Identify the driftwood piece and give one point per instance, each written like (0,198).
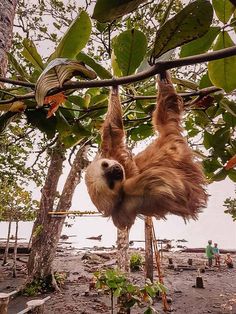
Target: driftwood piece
(35,306)
(4,300)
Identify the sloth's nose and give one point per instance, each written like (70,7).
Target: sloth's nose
(115,172)
(116,167)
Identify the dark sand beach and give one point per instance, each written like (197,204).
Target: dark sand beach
(218,295)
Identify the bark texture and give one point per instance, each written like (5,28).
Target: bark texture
(7,14)
(5,257)
(122,249)
(148,248)
(47,229)
(15,250)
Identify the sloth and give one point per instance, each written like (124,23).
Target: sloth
(163,179)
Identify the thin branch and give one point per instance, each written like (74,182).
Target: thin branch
(16,82)
(202,93)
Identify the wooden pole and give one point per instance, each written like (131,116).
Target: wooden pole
(158,262)
(148,248)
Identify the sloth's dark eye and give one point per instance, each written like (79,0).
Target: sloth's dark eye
(105,164)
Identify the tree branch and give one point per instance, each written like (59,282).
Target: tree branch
(202,92)
(155,69)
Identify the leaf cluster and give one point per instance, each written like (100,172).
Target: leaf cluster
(119,286)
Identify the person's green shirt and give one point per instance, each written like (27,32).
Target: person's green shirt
(209,251)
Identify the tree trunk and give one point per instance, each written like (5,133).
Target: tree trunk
(47,229)
(123,264)
(15,250)
(7,14)
(122,249)
(148,249)
(7,244)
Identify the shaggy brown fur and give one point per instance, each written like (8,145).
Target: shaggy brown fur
(162,179)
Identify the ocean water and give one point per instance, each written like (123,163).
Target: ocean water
(212,224)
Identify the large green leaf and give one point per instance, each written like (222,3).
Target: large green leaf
(130,48)
(56,73)
(224,9)
(31,54)
(200,45)
(190,23)
(222,73)
(75,38)
(115,68)
(99,69)
(109,10)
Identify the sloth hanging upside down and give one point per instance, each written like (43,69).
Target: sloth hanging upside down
(162,179)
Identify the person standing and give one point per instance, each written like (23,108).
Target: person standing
(216,253)
(209,253)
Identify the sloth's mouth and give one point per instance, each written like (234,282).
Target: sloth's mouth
(112,174)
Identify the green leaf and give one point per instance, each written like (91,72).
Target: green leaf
(200,45)
(205,81)
(75,38)
(211,165)
(71,140)
(31,54)
(98,99)
(38,118)
(201,118)
(79,130)
(130,48)
(208,140)
(5,120)
(141,132)
(220,175)
(116,70)
(224,9)
(99,69)
(117,292)
(185,83)
(62,126)
(77,100)
(229,106)
(17,67)
(190,23)
(222,73)
(229,119)
(232,174)
(220,138)
(109,10)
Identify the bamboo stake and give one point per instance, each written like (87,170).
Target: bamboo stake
(158,262)
(74,213)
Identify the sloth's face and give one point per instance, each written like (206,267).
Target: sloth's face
(104,178)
